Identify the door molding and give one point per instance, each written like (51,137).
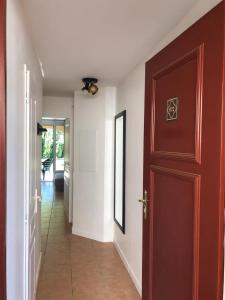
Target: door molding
(198,55)
(2,149)
(54,123)
(195,179)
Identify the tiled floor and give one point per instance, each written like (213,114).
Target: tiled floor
(76,268)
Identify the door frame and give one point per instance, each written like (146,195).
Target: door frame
(3,149)
(54,122)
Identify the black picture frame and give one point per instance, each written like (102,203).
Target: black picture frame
(122,169)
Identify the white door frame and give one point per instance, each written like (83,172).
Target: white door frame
(26,181)
(30,190)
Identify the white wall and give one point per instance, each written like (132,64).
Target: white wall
(131,97)
(110,110)
(93,164)
(19,52)
(58,107)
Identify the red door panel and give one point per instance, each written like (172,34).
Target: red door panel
(184,165)
(175,244)
(181,79)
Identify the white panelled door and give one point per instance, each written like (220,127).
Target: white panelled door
(31,197)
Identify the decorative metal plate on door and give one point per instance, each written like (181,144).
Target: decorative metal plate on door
(172,109)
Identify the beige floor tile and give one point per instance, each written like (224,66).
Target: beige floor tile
(76,268)
(58,239)
(59,268)
(55,293)
(52,260)
(65,275)
(45,225)
(56,297)
(58,231)
(59,225)
(88,295)
(53,247)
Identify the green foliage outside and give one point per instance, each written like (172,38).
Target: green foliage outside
(47,145)
(59,143)
(60,150)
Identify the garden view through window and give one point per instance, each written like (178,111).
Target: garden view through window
(52,149)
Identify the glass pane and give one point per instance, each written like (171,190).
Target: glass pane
(60,148)
(47,154)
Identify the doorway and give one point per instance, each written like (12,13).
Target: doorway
(53,145)
(52,177)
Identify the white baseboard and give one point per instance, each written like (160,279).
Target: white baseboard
(38,269)
(87,235)
(129,269)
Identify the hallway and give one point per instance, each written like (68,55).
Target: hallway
(75,268)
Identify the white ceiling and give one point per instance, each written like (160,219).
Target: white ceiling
(102,38)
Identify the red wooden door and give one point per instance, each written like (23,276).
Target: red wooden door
(183,165)
(2,148)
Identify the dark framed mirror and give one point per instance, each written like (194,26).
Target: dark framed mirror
(119,169)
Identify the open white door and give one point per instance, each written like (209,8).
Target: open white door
(68,173)
(31,200)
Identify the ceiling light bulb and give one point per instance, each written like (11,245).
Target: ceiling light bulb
(93,89)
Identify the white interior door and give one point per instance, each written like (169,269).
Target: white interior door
(68,193)
(30,190)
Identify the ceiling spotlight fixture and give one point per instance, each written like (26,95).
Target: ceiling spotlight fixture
(90,85)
